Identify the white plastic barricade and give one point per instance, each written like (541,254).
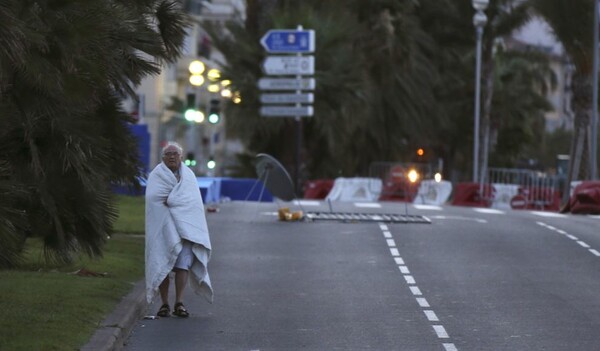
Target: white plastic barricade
(355,189)
(503,194)
(433,193)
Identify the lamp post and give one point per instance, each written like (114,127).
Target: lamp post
(594,141)
(479,20)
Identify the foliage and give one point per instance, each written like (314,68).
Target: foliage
(374,85)
(522,80)
(571,23)
(63,134)
(46,308)
(391,77)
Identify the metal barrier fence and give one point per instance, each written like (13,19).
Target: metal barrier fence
(521,188)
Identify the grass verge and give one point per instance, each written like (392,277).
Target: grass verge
(131,215)
(46,307)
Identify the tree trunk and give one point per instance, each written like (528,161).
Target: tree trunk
(579,165)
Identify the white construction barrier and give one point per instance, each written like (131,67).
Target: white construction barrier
(355,189)
(433,193)
(503,194)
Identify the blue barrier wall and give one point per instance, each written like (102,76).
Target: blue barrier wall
(140,131)
(213,190)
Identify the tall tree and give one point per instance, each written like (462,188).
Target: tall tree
(64,67)
(572,24)
(374,85)
(521,83)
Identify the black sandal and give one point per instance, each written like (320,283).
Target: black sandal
(180,310)
(164,311)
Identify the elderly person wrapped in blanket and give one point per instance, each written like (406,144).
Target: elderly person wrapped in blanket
(177,237)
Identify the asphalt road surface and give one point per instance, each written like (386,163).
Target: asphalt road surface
(473,279)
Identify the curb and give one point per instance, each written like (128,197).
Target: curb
(115,329)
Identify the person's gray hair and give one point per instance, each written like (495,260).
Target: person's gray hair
(172,143)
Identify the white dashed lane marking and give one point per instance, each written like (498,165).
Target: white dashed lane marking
(430,314)
(572,237)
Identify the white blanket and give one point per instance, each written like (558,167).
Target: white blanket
(174,211)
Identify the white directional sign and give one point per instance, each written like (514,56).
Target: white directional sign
(286,111)
(286,84)
(289,65)
(307,98)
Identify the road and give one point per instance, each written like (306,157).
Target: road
(473,279)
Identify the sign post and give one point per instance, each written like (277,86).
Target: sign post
(293,103)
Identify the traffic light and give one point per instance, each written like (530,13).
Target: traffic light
(214,111)
(190,106)
(190,159)
(191,112)
(211,164)
(420,152)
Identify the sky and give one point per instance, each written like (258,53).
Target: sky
(537,32)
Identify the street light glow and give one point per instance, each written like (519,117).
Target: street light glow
(197,67)
(237,98)
(226,93)
(194,116)
(213,74)
(213,88)
(196,80)
(413,176)
(211,164)
(437,177)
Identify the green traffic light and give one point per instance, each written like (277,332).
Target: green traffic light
(214,118)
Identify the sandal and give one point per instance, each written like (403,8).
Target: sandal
(180,310)
(164,311)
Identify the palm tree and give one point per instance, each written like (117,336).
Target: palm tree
(65,65)
(572,24)
(374,85)
(521,82)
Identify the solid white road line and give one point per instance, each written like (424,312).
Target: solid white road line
(367,204)
(488,210)
(548,214)
(427,207)
(307,203)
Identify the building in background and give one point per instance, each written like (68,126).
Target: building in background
(538,36)
(164,99)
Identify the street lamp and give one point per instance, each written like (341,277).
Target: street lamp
(479,20)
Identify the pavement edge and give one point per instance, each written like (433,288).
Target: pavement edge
(115,329)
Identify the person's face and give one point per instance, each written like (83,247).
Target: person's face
(172,158)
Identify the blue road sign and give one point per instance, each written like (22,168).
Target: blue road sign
(289,41)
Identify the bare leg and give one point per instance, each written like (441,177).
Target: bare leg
(181,279)
(163,288)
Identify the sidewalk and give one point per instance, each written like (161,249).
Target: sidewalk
(114,330)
